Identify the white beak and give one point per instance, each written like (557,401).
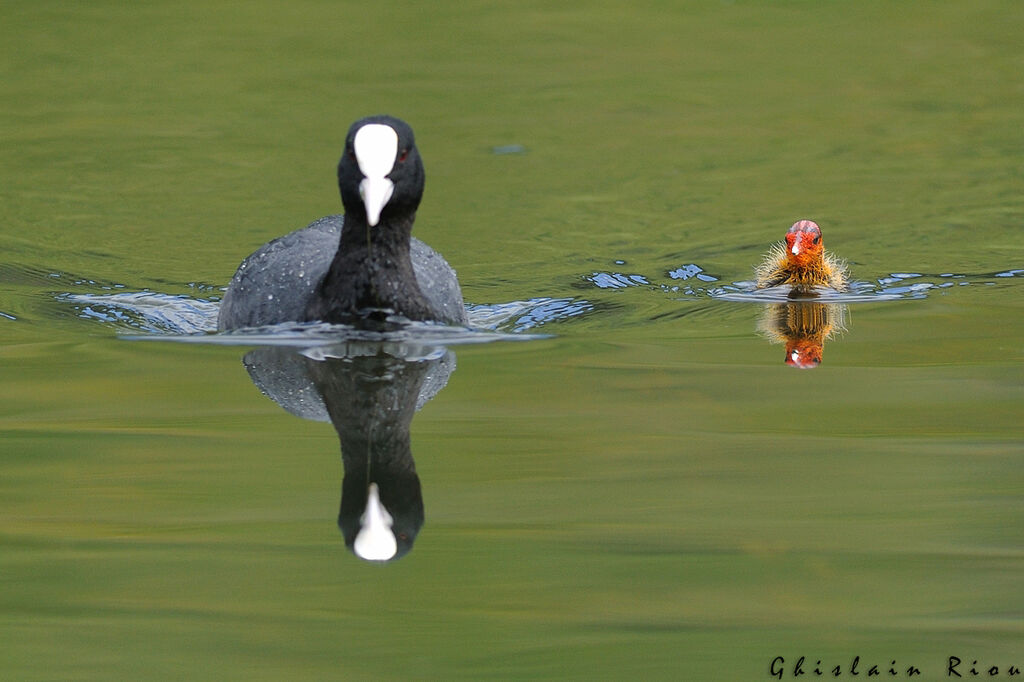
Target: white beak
(375,541)
(796,248)
(375,193)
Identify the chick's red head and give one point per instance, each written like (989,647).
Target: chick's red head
(803,242)
(804,353)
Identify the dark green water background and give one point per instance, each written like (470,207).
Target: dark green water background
(650,493)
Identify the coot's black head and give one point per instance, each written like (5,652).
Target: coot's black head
(380,521)
(380,174)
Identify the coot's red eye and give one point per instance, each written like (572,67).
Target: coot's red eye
(404,155)
(352,154)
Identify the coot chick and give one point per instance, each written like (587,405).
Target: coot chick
(363,265)
(802,262)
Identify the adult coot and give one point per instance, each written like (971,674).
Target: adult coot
(363,265)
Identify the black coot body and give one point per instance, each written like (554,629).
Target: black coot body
(346,269)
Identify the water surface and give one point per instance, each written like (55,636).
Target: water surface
(649,491)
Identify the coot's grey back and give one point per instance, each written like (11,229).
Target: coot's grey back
(275,283)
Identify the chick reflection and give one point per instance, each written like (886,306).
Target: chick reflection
(803,326)
(369,392)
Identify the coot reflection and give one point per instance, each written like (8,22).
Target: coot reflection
(369,392)
(803,326)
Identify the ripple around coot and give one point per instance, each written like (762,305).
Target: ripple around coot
(147,311)
(186,319)
(314,334)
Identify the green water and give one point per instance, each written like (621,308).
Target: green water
(649,493)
